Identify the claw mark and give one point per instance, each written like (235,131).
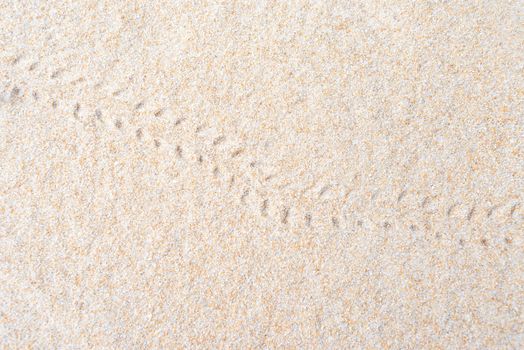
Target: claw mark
(118,124)
(425,202)
(263,208)
(118,92)
(178,151)
(54,104)
(33,66)
(200,159)
(334,221)
(16,60)
(285,215)
(157,143)
(413,227)
(236,153)
(216,172)
(179,120)
(513,209)
(218,140)
(139,105)
(139,133)
(35,95)
(159,112)
(484,242)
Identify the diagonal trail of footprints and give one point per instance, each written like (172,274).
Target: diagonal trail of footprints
(256,186)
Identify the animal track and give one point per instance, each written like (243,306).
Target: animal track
(56,74)
(323,190)
(285,215)
(401,195)
(513,209)
(178,151)
(76,110)
(450,209)
(237,153)
(15,92)
(307,218)
(491,210)
(237,156)
(263,209)
(471,213)
(218,140)
(118,92)
(244,195)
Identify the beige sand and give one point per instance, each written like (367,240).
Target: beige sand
(261,174)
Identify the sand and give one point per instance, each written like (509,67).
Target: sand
(261,174)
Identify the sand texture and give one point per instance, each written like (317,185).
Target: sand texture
(261,174)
